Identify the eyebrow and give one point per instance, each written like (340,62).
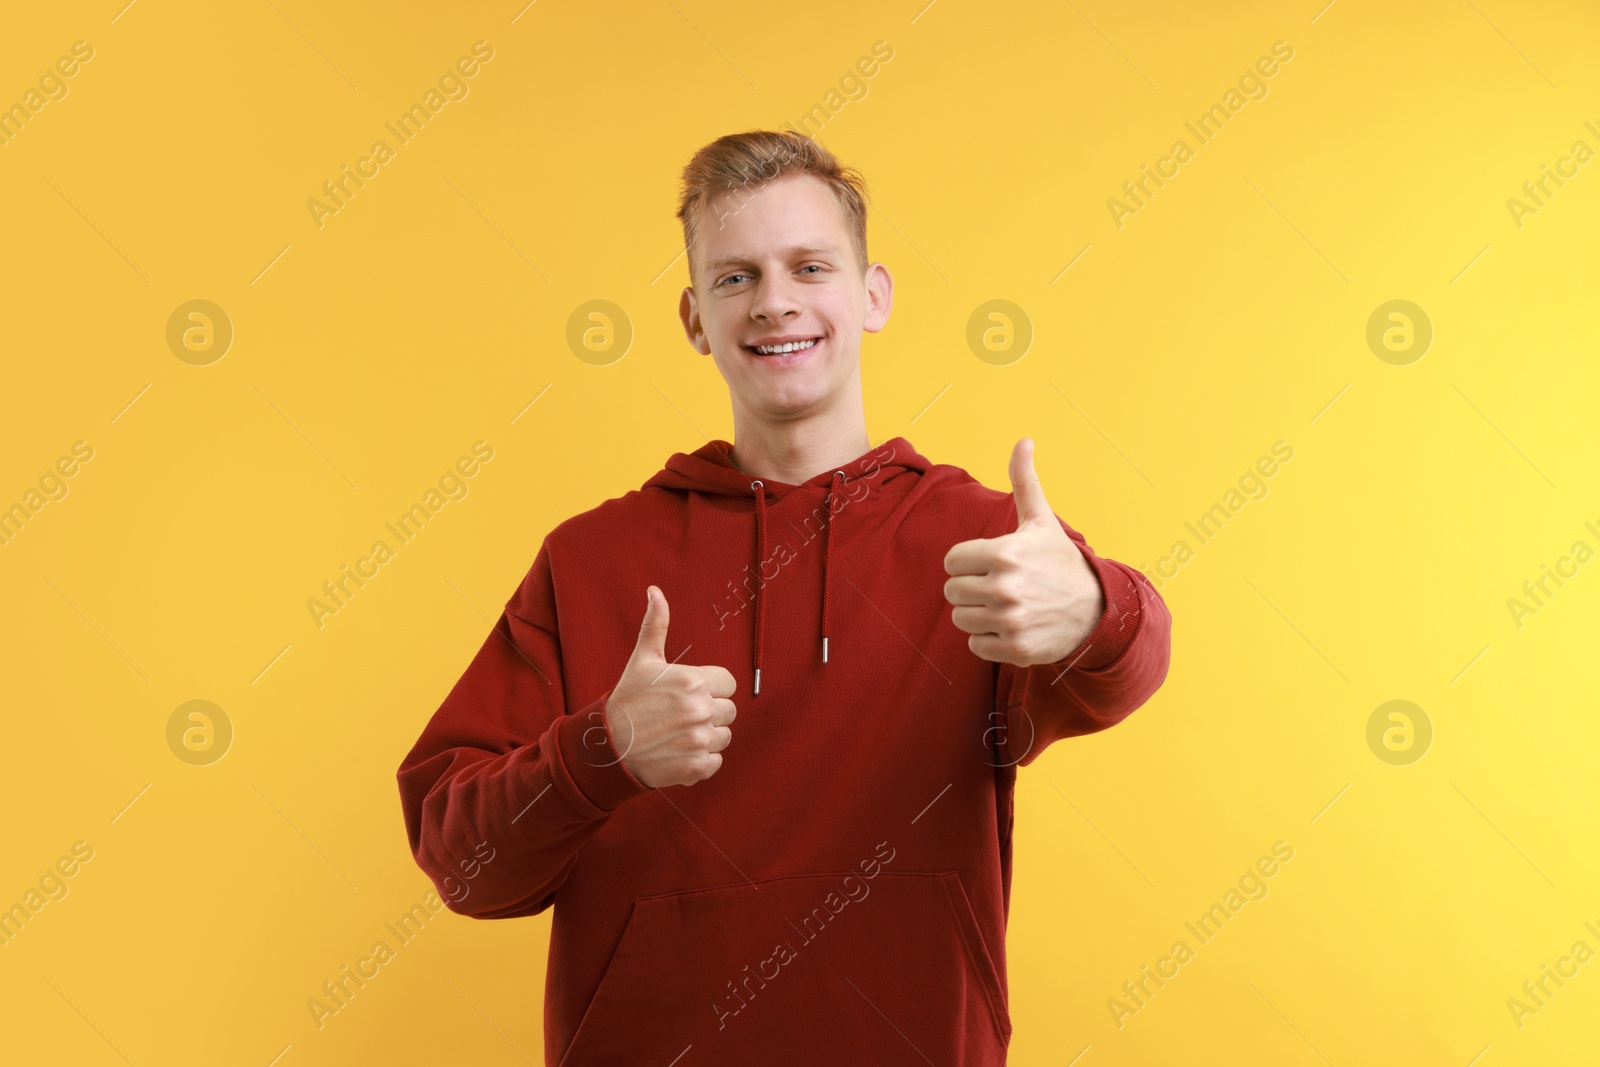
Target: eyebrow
(790,252)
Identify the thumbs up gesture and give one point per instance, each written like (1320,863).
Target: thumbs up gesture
(1028,596)
(669,721)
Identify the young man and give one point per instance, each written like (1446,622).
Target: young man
(828,877)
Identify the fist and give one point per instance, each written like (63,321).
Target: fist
(1028,596)
(669,721)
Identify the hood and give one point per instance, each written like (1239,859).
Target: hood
(708,469)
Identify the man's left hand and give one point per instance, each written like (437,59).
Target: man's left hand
(1028,596)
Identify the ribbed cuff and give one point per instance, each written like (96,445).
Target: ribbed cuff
(1108,640)
(588,754)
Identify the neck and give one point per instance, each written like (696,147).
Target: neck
(797,450)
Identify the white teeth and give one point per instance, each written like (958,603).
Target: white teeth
(778,350)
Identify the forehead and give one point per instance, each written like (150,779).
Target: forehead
(795,211)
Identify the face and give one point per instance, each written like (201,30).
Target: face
(774,265)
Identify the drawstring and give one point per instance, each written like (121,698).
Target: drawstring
(761,554)
(761,582)
(827,557)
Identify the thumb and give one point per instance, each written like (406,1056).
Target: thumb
(653,631)
(1025,486)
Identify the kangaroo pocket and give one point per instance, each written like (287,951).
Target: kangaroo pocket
(890,969)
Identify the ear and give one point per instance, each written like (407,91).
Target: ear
(689,312)
(880,297)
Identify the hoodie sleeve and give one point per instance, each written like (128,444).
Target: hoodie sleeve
(505,785)
(1117,668)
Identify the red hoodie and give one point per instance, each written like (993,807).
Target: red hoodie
(839,888)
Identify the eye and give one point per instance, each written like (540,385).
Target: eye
(729,279)
(813,266)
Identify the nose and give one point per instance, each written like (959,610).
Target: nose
(775,298)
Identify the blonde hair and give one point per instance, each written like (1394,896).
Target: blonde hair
(753,158)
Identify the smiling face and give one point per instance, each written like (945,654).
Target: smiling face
(779,300)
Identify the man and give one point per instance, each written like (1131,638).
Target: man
(774,820)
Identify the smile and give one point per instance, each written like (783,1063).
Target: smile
(786,354)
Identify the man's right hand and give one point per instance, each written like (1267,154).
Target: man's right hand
(669,721)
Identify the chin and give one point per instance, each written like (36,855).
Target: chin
(788,405)
(783,398)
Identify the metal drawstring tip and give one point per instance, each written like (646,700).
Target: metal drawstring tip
(758,680)
(824,650)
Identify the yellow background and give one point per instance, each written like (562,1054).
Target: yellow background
(1229,313)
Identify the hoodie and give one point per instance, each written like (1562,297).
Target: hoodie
(839,888)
